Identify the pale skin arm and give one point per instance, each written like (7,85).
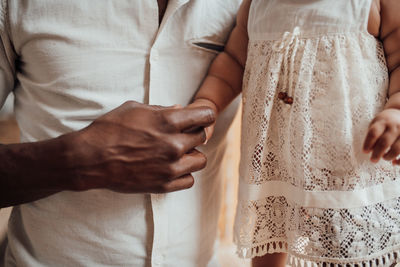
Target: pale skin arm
(223,83)
(224,80)
(383,137)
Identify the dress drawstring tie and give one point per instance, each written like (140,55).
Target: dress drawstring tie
(289,45)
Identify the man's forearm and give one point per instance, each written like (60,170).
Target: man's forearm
(30,171)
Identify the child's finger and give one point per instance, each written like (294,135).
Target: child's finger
(396,162)
(374,132)
(394,151)
(384,142)
(209,131)
(207,137)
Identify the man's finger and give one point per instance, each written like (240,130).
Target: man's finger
(182,143)
(188,119)
(184,182)
(188,163)
(191,140)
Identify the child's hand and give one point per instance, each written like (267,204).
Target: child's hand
(202,102)
(383,138)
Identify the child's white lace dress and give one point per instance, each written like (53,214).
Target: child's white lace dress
(314,80)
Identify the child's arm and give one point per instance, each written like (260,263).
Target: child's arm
(383,138)
(224,79)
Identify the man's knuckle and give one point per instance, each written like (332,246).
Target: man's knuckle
(180,149)
(130,103)
(176,150)
(168,121)
(163,116)
(167,116)
(172,171)
(168,148)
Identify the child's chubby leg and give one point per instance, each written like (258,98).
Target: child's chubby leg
(270,260)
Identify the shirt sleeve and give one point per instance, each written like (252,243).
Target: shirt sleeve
(7,55)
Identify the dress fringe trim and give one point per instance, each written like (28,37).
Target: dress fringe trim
(387,258)
(261,250)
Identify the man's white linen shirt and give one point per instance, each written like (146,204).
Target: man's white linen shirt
(68,62)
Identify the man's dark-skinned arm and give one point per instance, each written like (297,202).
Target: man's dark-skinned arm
(135,148)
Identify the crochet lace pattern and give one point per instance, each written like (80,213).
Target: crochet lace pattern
(306,188)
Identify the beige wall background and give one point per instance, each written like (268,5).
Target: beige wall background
(9,133)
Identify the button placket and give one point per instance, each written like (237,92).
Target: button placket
(160,212)
(154,55)
(160,229)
